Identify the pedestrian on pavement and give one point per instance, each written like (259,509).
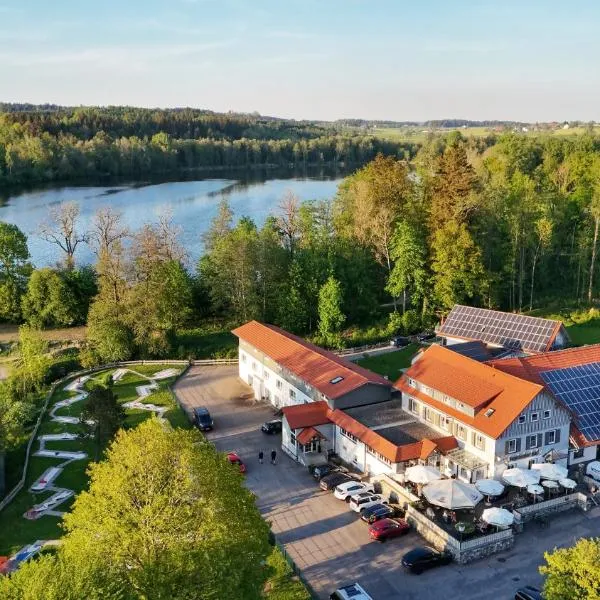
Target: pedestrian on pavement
(260,457)
(273,456)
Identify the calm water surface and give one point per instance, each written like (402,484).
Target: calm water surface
(193,204)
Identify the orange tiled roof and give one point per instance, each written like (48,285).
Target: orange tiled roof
(427,447)
(307,415)
(310,363)
(307,434)
(513,396)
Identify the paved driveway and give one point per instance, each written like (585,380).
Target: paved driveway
(328,542)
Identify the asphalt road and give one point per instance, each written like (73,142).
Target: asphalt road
(328,542)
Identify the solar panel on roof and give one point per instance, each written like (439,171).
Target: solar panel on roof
(517,332)
(579,388)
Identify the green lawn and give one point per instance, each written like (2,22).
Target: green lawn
(391,363)
(16,531)
(582,324)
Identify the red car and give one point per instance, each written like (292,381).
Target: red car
(388,528)
(234,459)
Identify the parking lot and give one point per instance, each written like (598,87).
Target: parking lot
(327,541)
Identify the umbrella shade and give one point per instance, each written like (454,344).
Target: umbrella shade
(422,474)
(520,477)
(452,494)
(550,484)
(500,517)
(550,471)
(489,487)
(534,488)
(568,484)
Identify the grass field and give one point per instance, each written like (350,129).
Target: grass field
(391,363)
(582,324)
(15,530)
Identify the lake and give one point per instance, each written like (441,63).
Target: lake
(193,205)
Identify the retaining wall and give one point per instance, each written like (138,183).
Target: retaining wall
(553,506)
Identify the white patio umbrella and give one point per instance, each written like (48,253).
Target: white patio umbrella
(452,494)
(534,488)
(550,484)
(500,517)
(520,478)
(422,474)
(489,487)
(568,484)
(550,471)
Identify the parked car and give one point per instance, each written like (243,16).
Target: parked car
(271,427)
(354,591)
(321,471)
(399,341)
(388,528)
(528,592)
(202,418)
(343,491)
(377,512)
(358,502)
(331,481)
(425,335)
(418,560)
(234,459)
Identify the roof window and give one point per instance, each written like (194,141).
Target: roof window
(489,412)
(336,379)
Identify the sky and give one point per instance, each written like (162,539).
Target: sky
(525,60)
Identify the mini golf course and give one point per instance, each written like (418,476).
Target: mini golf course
(57,470)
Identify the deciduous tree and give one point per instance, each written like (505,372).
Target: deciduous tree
(14,271)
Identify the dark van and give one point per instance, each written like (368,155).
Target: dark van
(202,419)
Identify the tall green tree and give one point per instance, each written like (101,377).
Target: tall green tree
(331,317)
(165,516)
(15,269)
(573,573)
(33,362)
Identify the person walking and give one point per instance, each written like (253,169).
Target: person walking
(260,457)
(273,456)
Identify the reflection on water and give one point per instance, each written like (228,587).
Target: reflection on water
(192,203)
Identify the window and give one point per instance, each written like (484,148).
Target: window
(292,394)
(522,419)
(411,382)
(348,435)
(243,356)
(413,406)
(535,417)
(461,432)
(550,437)
(489,412)
(511,446)
(312,446)
(547,414)
(578,453)
(266,374)
(480,442)
(462,472)
(428,415)
(336,379)
(279,384)
(446,423)
(532,441)
(293,439)
(378,456)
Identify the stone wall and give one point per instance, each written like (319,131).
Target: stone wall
(393,490)
(550,507)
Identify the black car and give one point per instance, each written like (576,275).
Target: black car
(425,335)
(528,592)
(422,558)
(330,482)
(271,427)
(202,419)
(377,512)
(321,471)
(399,341)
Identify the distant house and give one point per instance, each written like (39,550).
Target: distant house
(517,334)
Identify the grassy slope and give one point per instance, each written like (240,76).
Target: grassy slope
(390,364)
(15,531)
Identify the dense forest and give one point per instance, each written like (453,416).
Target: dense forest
(41,144)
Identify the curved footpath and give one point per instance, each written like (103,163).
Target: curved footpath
(45,483)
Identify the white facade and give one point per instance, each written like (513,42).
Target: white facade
(267,383)
(583,455)
(363,458)
(313,453)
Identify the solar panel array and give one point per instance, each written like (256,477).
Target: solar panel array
(579,388)
(516,332)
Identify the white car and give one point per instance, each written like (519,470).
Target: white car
(345,490)
(350,592)
(358,502)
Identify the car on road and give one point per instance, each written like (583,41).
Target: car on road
(399,341)
(343,491)
(331,481)
(376,512)
(422,558)
(234,459)
(202,418)
(271,427)
(354,591)
(528,592)
(358,502)
(425,336)
(321,471)
(385,529)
